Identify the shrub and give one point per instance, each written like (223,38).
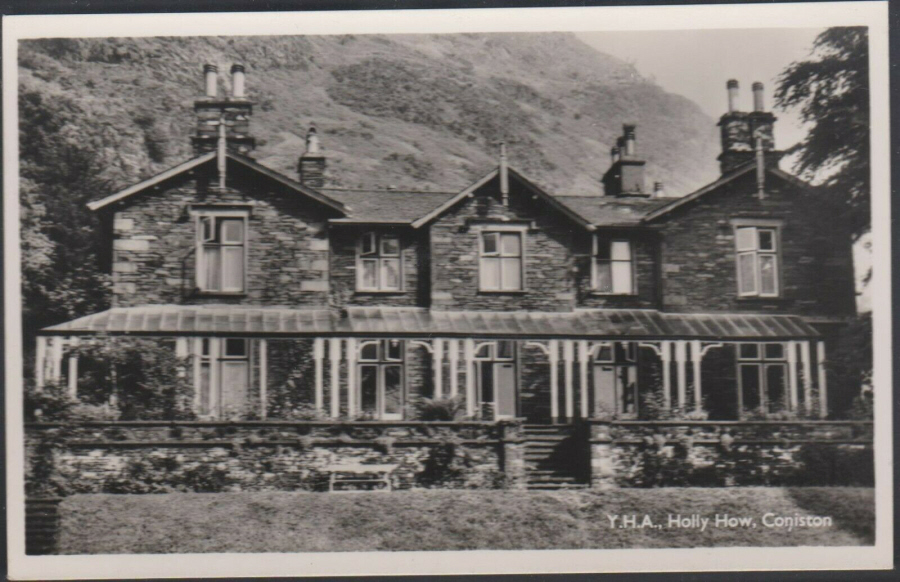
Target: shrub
(445,409)
(50,403)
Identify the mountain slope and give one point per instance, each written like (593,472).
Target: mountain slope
(414,111)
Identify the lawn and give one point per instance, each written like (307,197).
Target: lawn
(455,520)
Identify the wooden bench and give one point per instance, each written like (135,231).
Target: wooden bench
(359,474)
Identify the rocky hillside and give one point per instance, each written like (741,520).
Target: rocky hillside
(414,111)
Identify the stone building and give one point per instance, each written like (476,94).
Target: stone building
(517,301)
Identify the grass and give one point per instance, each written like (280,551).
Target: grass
(451,520)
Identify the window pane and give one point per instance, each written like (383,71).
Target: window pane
(512,273)
(390,246)
(236,347)
(394,350)
(750,386)
(511,244)
(766,240)
(621,250)
(368,388)
(504,350)
(233,268)
(747,272)
(368,244)
(605,354)
(393,389)
(767,275)
(489,242)
(775,387)
(370,273)
(484,351)
(204,349)
(774,351)
(603,252)
(746,238)
(621,277)
(490,273)
(207,227)
(603,277)
(232,230)
(749,351)
(213,279)
(369,351)
(390,273)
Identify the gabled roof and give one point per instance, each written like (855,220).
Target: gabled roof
(386,206)
(725,179)
(530,186)
(208,158)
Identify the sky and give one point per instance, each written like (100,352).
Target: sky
(697,63)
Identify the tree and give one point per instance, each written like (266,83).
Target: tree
(832,89)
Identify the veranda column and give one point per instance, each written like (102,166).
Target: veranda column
(680,360)
(437,362)
(56,355)
(351,377)
(807,376)
(554,379)
(263,378)
(214,376)
(334,354)
(198,377)
(73,369)
(470,376)
(823,382)
(666,357)
(568,357)
(318,358)
(697,359)
(453,357)
(40,362)
(792,372)
(583,355)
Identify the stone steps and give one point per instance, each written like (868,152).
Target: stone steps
(549,462)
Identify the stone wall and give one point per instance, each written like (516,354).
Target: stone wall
(721,454)
(698,265)
(154,243)
(267,455)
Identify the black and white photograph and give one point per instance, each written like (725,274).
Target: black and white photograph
(391,292)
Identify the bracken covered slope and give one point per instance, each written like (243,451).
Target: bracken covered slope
(412,111)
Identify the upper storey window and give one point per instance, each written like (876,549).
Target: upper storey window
(500,261)
(379,264)
(757,261)
(613,269)
(222,252)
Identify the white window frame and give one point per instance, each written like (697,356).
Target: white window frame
(215,354)
(595,250)
(755,253)
(762,362)
(381,363)
(499,230)
(378,256)
(215,215)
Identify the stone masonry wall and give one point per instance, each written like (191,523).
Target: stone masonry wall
(698,259)
(154,244)
(258,456)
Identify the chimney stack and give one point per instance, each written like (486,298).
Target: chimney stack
(504,175)
(311,166)
(741,129)
(212,110)
(237,81)
(211,78)
(625,177)
(758,97)
(732,86)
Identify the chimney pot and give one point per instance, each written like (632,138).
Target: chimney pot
(628,131)
(312,141)
(209,73)
(758,97)
(237,81)
(658,189)
(732,86)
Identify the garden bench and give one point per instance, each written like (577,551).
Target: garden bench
(359,474)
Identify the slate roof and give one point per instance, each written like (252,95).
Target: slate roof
(400,206)
(420,322)
(610,211)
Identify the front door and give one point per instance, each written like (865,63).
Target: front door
(224,377)
(496,374)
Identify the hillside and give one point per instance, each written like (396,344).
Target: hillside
(414,111)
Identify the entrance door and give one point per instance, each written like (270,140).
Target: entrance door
(380,379)
(224,377)
(496,374)
(505,390)
(605,397)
